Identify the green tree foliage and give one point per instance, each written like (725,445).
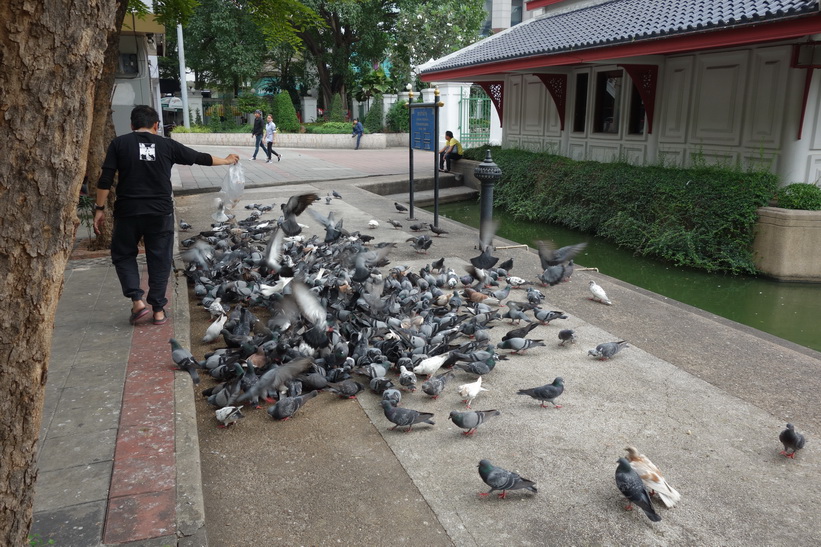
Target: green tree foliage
(700,217)
(285,113)
(373,119)
(337,111)
(447,26)
(352,33)
(230,46)
(397,119)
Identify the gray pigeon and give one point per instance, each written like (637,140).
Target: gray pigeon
(567,335)
(436,384)
(546,316)
(346,388)
(632,487)
(393,396)
(399,207)
(501,479)
(792,440)
(407,379)
(607,349)
(547,392)
(405,417)
(287,406)
(276,378)
(184,360)
(471,419)
(550,256)
(519,345)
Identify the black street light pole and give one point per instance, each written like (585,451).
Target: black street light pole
(488,174)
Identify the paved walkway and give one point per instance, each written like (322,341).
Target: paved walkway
(120,458)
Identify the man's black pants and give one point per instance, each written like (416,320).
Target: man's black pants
(157,232)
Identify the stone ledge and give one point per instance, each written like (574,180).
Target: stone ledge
(372,141)
(786,244)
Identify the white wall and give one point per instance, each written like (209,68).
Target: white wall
(734,107)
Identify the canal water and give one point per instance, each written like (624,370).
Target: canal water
(788,310)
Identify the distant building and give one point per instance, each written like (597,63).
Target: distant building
(651,81)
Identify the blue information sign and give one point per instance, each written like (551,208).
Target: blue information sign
(422,128)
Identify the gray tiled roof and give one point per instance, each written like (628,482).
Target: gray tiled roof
(616,22)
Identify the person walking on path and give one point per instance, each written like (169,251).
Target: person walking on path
(358,130)
(144,207)
(270,131)
(452,151)
(256,133)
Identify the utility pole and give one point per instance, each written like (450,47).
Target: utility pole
(186,119)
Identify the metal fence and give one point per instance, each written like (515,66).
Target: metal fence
(474,118)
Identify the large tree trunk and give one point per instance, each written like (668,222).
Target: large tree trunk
(53,55)
(102,126)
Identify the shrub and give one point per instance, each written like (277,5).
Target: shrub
(193,129)
(701,217)
(800,196)
(329,128)
(286,119)
(397,118)
(337,113)
(373,119)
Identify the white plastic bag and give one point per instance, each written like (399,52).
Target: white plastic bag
(233,185)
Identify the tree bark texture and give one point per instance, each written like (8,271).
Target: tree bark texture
(102,126)
(52,54)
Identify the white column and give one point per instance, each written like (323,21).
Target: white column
(450,93)
(183,87)
(308,109)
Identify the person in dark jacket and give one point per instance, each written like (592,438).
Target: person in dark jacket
(144,208)
(358,130)
(257,132)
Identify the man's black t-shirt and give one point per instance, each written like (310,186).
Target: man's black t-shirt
(144,162)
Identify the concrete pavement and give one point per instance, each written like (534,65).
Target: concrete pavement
(705,398)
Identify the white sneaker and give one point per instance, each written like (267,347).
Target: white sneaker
(269,161)
(252,158)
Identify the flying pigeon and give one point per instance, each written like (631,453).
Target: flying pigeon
(550,256)
(547,392)
(405,417)
(420,244)
(567,335)
(184,360)
(598,293)
(471,419)
(631,486)
(792,440)
(607,349)
(485,259)
(652,477)
(275,379)
(287,406)
(229,415)
(501,479)
(469,391)
(294,207)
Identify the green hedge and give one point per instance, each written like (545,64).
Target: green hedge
(397,119)
(701,217)
(330,128)
(800,195)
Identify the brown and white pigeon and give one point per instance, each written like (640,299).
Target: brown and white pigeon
(652,478)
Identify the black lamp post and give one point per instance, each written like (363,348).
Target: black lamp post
(488,174)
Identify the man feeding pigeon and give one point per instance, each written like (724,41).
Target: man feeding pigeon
(144,207)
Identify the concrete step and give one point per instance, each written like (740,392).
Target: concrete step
(424,198)
(451,189)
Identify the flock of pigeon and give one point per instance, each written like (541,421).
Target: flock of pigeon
(341,319)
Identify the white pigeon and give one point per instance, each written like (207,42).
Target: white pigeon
(214,329)
(407,378)
(652,478)
(216,308)
(229,415)
(598,293)
(470,391)
(430,365)
(276,288)
(373,224)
